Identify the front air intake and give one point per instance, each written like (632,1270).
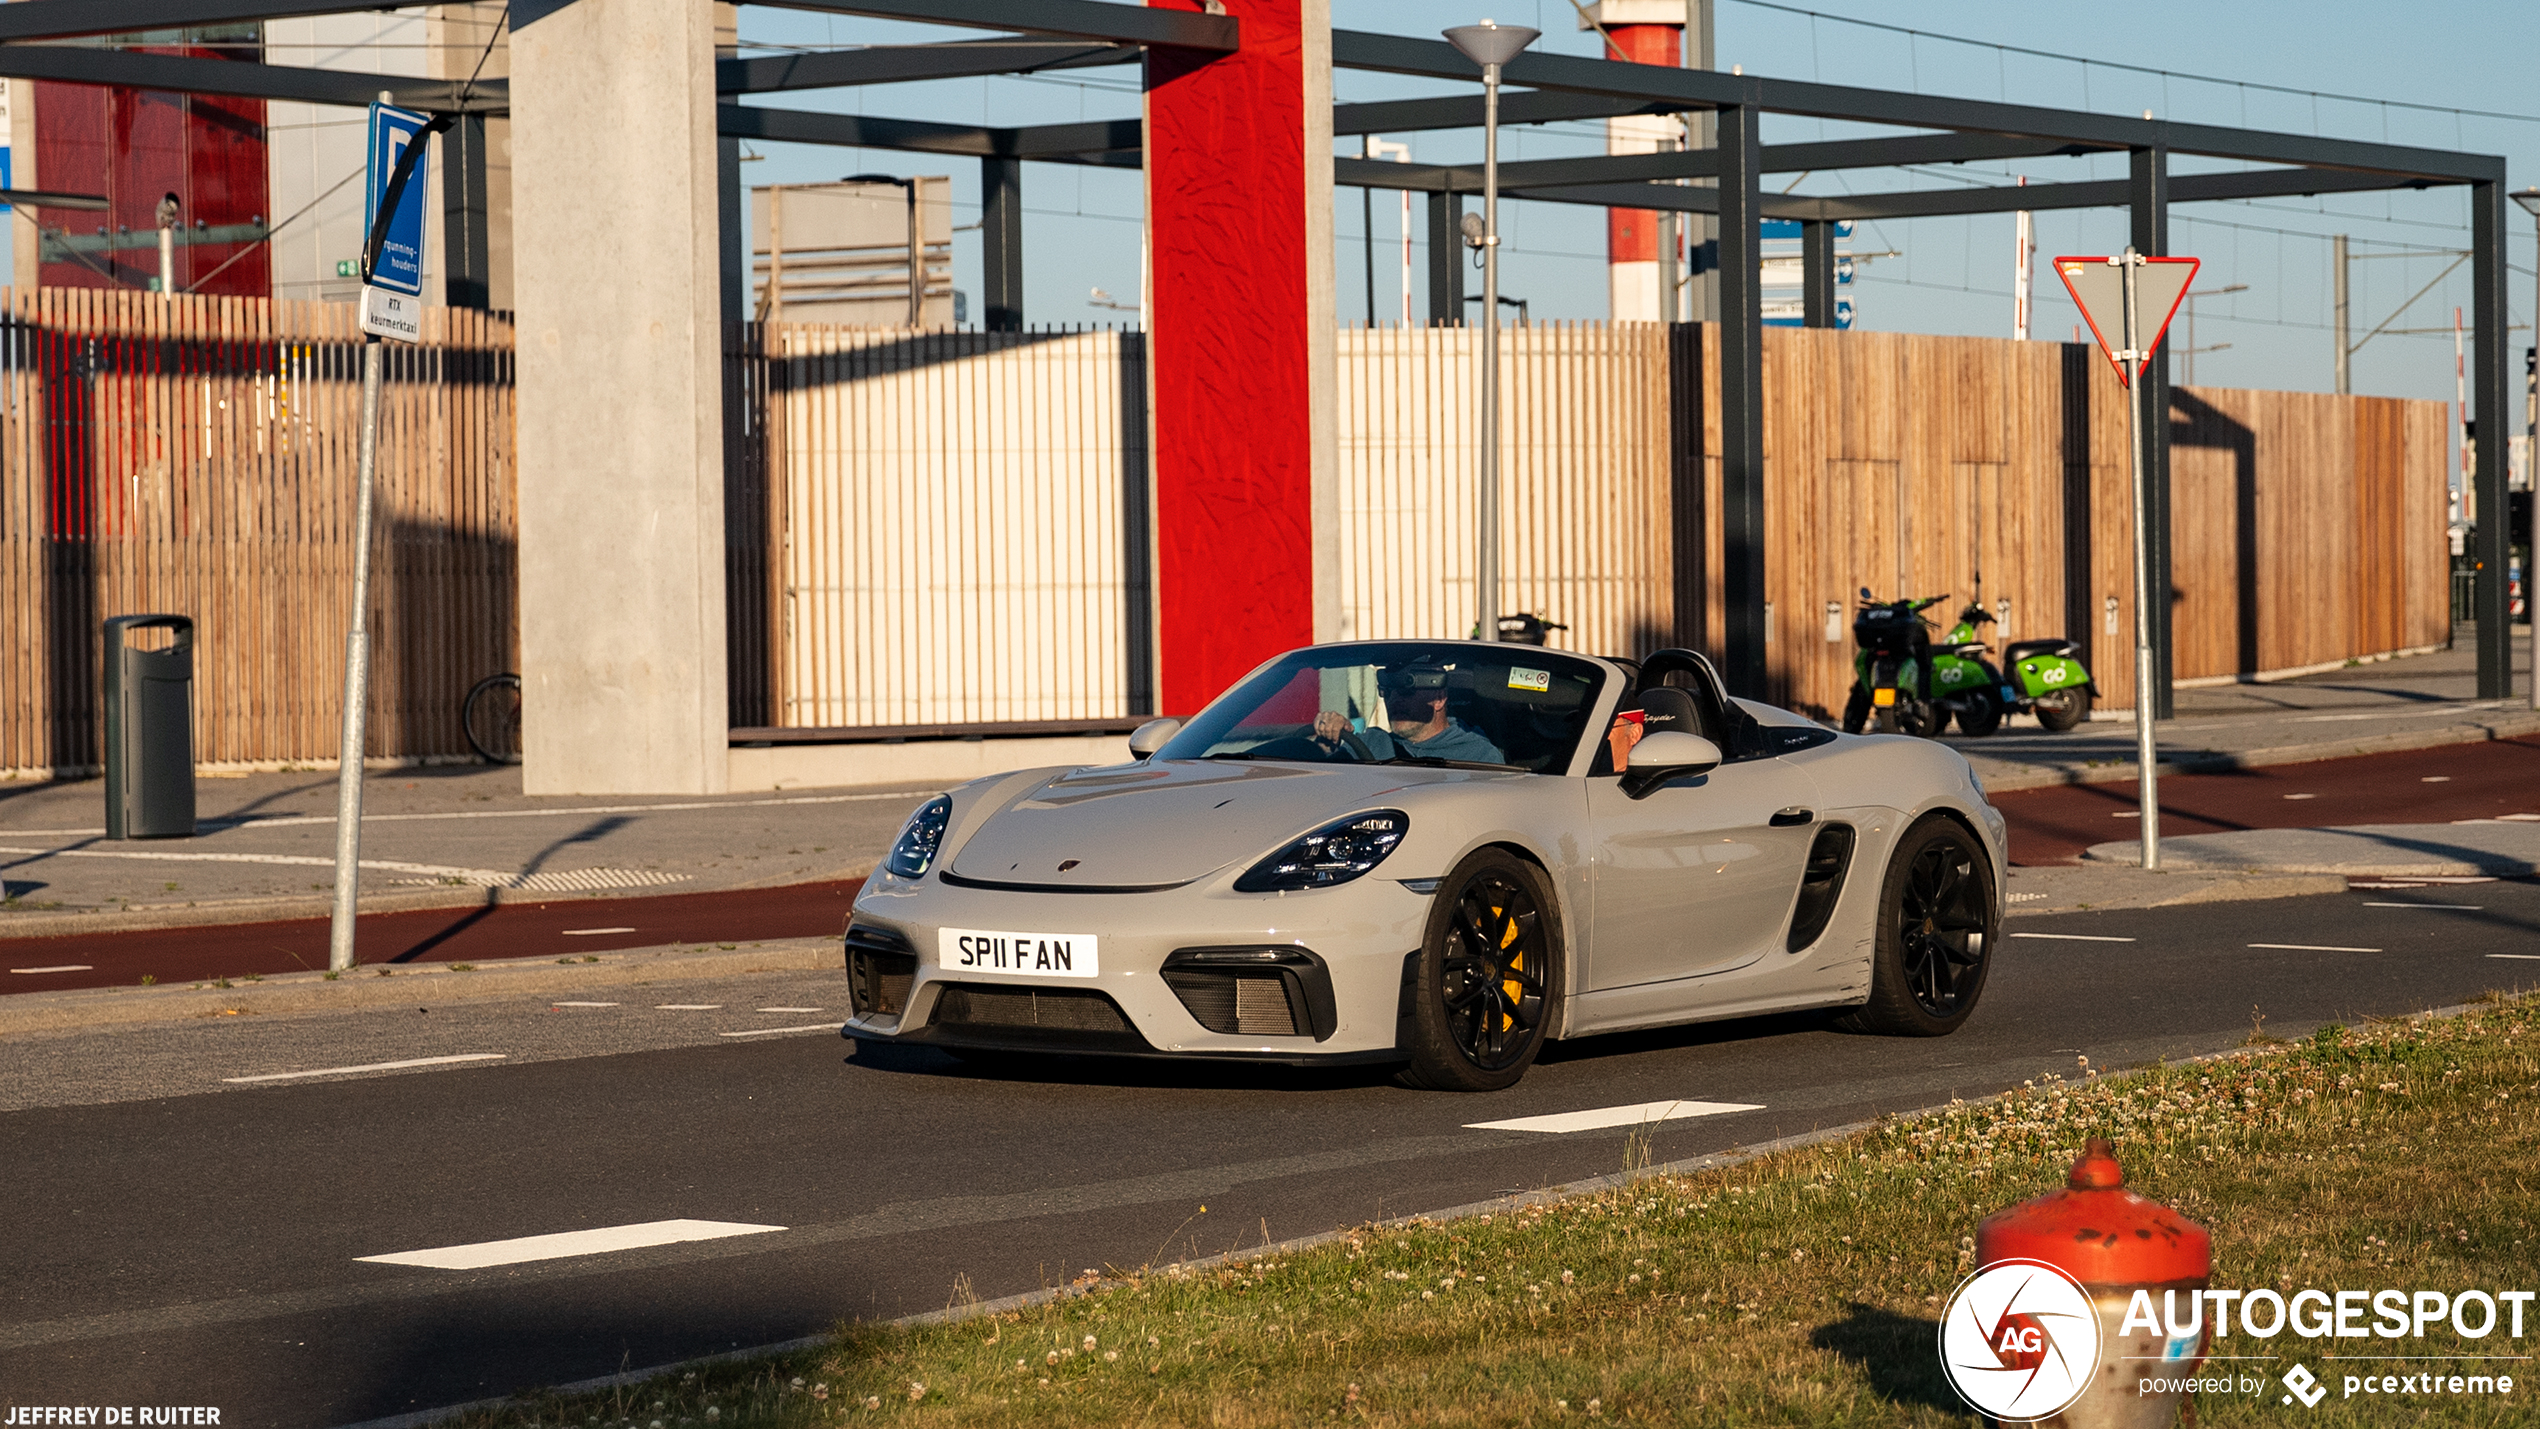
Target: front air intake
(1254,992)
(880,968)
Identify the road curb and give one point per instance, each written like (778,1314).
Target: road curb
(401,984)
(2015,777)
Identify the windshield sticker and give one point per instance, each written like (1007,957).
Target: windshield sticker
(1521,678)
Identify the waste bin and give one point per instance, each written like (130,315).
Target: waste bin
(149,730)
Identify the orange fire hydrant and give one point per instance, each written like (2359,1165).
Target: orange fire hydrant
(2115,1243)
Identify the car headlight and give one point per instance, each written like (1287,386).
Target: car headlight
(1334,853)
(920,838)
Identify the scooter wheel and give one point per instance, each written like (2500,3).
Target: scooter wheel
(1856,710)
(2060,710)
(1983,714)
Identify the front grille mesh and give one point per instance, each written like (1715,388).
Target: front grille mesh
(1063,1010)
(1241,1005)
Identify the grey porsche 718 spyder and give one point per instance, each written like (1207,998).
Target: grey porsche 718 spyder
(1440,853)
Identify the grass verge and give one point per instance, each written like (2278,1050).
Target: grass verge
(1801,1289)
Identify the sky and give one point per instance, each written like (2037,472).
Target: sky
(2357,71)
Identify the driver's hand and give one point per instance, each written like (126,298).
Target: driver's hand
(1329,726)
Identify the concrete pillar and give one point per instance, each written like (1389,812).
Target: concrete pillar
(620,412)
(475,155)
(1649,32)
(1240,349)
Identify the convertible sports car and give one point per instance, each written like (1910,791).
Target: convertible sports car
(1441,853)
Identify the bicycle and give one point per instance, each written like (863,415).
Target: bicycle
(490,717)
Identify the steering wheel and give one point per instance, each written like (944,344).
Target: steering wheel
(1356,746)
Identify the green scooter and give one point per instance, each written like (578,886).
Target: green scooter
(2044,677)
(1907,683)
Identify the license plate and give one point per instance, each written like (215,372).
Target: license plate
(1882,698)
(1012,954)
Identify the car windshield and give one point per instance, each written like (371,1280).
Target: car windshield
(1404,702)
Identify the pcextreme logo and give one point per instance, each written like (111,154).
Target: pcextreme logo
(2019,1340)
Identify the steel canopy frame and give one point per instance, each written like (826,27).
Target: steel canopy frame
(1042,34)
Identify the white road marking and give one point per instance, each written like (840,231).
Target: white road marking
(2526,957)
(779,1031)
(2313,948)
(2127,814)
(789,1009)
(2073,937)
(1611,1116)
(64,968)
(2436,779)
(582,1004)
(593,932)
(2519,818)
(376,1067)
(2301,796)
(566,1243)
(685,1006)
(2465,907)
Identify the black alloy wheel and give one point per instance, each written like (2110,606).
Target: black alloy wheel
(1936,933)
(1486,977)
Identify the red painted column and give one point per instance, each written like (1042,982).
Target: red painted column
(1633,275)
(1240,329)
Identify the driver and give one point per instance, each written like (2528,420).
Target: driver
(1415,712)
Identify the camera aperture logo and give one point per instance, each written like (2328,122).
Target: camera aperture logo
(2019,1340)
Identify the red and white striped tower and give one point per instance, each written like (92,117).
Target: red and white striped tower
(1644,32)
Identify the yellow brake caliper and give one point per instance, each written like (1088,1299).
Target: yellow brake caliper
(1514,990)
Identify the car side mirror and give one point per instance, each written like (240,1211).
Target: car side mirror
(1666,755)
(1147,738)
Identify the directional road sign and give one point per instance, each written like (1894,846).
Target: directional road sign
(392,289)
(2098,289)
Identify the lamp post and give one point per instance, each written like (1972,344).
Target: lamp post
(2530,201)
(1490,45)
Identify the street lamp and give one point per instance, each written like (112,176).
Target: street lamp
(2530,201)
(1490,45)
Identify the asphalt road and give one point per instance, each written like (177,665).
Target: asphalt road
(2048,826)
(2432,786)
(178,1238)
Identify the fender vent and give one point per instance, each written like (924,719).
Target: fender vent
(1829,858)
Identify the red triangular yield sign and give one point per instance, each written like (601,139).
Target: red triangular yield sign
(2097,286)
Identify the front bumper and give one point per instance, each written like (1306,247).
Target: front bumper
(1191,972)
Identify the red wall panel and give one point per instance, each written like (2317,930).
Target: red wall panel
(1228,352)
(135,146)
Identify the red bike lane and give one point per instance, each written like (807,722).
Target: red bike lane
(488,933)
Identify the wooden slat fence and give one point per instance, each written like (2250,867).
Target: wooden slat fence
(948,529)
(197,456)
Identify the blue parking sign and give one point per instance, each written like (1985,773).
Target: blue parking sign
(399,267)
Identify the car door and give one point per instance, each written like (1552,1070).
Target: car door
(1698,876)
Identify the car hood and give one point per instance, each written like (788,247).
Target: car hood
(1168,822)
